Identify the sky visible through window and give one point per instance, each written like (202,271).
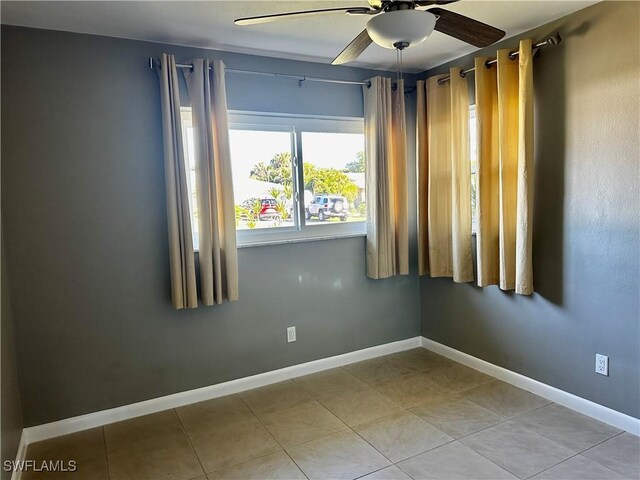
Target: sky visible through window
(251,147)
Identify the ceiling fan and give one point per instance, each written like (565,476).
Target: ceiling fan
(398,24)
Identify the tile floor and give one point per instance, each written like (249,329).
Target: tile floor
(408,415)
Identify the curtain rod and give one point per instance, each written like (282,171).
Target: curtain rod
(300,78)
(553,40)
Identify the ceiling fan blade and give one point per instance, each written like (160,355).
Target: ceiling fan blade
(354,49)
(466,29)
(280,16)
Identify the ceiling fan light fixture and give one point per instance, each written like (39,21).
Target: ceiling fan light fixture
(401,27)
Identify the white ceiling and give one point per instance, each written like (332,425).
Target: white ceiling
(209,24)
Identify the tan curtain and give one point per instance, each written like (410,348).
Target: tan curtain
(386,179)
(504,111)
(217,241)
(181,256)
(214,183)
(444,178)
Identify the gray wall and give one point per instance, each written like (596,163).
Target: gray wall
(11,409)
(586,226)
(86,239)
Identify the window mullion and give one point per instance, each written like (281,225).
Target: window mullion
(299,174)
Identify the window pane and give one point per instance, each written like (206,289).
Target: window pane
(334,179)
(472,139)
(189,158)
(262,179)
(473,160)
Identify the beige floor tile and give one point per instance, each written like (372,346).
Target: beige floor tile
(401,435)
(377,370)
(215,413)
(360,406)
(329,383)
(458,417)
(275,397)
(517,449)
(419,359)
(453,461)
(502,431)
(150,447)
(566,427)
(391,472)
(86,449)
(411,390)
(301,423)
(274,467)
(230,445)
(458,378)
(505,399)
(620,453)
(343,455)
(578,468)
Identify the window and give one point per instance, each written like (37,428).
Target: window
(294,178)
(333,164)
(263,174)
(189,154)
(473,157)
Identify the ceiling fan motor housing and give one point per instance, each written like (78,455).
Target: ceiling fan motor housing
(401,27)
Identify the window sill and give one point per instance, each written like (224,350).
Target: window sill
(265,243)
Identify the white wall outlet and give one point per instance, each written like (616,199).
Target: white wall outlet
(602,364)
(291,334)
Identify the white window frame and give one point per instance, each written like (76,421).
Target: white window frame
(297,125)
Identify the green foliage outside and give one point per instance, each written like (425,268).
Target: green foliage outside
(329,180)
(278,170)
(357,166)
(317,180)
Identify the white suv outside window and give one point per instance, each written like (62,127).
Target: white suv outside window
(328,206)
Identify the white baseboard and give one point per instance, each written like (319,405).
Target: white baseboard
(579,404)
(126,412)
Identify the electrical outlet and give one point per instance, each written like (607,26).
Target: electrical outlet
(291,334)
(602,364)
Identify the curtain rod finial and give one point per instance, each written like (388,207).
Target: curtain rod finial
(554,39)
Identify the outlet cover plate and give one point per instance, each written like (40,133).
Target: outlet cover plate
(291,334)
(602,364)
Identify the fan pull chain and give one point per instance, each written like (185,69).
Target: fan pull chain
(400,78)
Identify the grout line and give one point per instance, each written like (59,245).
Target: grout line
(488,459)
(372,446)
(186,434)
(106,453)
(272,436)
(580,454)
(402,410)
(348,426)
(375,471)
(403,471)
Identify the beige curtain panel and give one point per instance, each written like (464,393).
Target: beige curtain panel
(504,112)
(181,256)
(386,179)
(444,178)
(217,255)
